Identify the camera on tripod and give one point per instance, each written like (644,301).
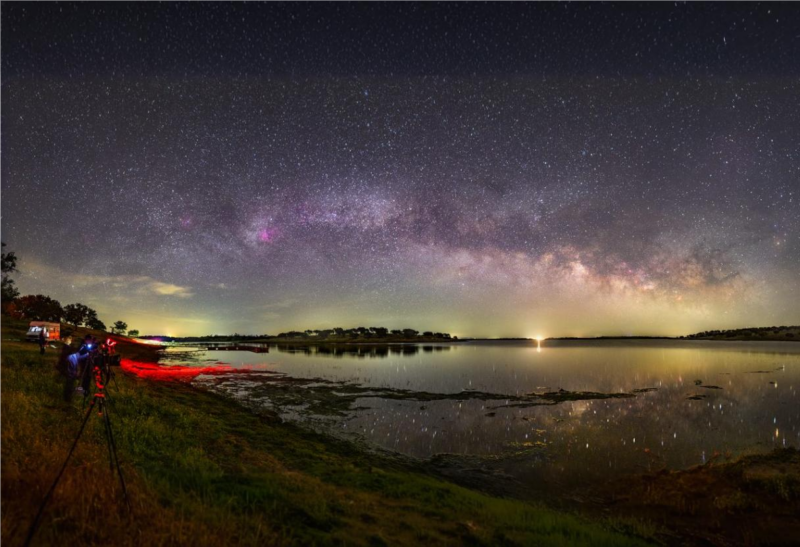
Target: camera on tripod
(99,359)
(104,355)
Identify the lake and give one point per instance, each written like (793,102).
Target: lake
(681,403)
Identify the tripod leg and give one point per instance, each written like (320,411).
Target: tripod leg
(109,399)
(111,378)
(108,438)
(35,524)
(84,383)
(116,460)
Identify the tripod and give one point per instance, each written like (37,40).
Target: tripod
(98,400)
(100,366)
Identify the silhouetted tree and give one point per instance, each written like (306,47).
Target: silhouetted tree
(39,308)
(95,323)
(119,327)
(73,314)
(9,266)
(78,314)
(133,333)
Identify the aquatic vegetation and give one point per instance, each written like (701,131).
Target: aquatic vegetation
(320,397)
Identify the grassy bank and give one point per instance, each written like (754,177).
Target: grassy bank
(202,471)
(753,500)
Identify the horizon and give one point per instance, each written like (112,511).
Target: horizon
(538,337)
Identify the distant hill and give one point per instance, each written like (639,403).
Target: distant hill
(750,333)
(782,333)
(613,338)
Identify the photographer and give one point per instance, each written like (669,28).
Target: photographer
(68,366)
(89,346)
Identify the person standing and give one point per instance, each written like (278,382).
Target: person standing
(85,366)
(68,368)
(42,340)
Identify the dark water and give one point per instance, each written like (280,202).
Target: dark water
(711,399)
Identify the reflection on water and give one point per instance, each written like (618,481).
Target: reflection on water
(352,350)
(694,401)
(360,350)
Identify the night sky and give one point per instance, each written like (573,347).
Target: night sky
(479,169)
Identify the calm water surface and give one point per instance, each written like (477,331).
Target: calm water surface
(753,405)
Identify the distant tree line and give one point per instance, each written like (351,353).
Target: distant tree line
(39,307)
(749,332)
(364,333)
(335,334)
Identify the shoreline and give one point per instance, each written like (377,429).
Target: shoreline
(738,499)
(202,469)
(228,473)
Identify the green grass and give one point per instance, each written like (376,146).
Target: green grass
(203,471)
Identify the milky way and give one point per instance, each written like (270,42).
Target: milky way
(478,169)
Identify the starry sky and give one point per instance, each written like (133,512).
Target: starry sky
(480,169)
